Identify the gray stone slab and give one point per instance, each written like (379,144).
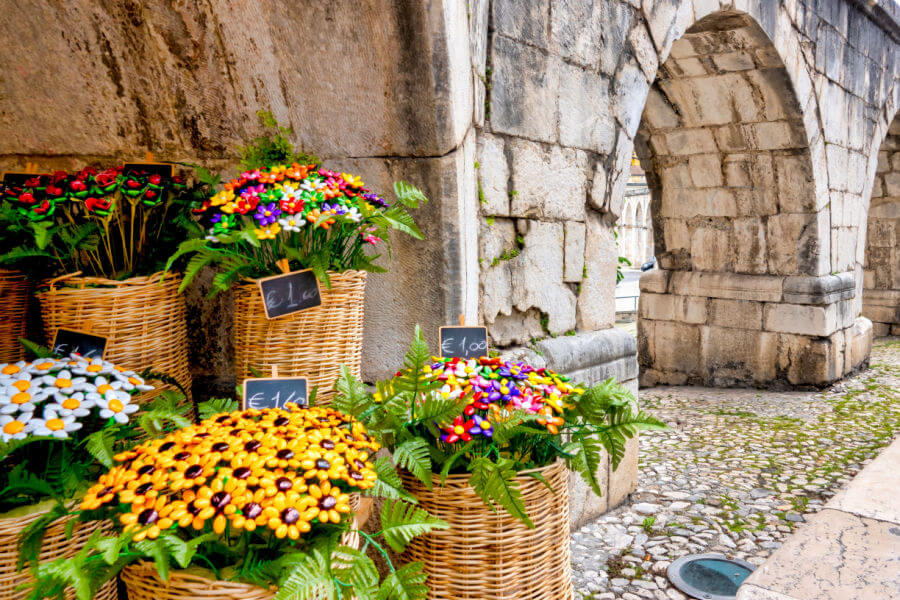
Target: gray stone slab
(835,556)
(824,289)
(873,492)
(571,354)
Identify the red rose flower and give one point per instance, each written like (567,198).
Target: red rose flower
(132,183)
(97,204)
(178,179)
(27,198)
(58,176)
(77,185)
(155,179)
(33,182)
(150,194)
(106,178)
(53,190)
(44,207)
(87,172)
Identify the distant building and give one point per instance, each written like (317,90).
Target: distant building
(635,227)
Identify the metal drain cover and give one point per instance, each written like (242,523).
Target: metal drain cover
(709,576)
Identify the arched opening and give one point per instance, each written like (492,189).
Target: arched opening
(733,209)
(881,274)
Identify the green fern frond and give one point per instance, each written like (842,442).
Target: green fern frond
(406,583)
(409,195)
(389,484)
(413,455)
(495,483)
(308,578)
(401,522)
(215,406)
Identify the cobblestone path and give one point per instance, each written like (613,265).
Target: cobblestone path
(737,472)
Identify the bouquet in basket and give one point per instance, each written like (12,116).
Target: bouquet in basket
(61,421)
(115,222)
(263,497)
(287,210)
(492,419)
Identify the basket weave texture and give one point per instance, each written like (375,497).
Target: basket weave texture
(14,292)
(143,582)
(56,545)
(312,343)
(493,555)
(143,319)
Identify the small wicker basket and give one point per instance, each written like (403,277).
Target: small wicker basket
(55,545)
(493,555)
(143,582)
(143,319)
(312,343)
(14,293)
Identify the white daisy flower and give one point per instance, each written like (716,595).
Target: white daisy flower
(101,385)
(307,186)
(131,381)
(292,222)
(116,405)
(76,405)
(43,366)
(289,190)
(9,372)
(93,367)
(21,396)
(55,425)
(15,428)
(63,382)
(354,215)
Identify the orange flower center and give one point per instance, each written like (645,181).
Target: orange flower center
(13,427)
(134,381)
(71,403)
(21,398)
(10,370)
(115,405)
(102,389)
(44,366)
(63,383)
(22,385)
(94,368)
(55,424)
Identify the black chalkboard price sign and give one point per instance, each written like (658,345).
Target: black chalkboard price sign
(275,392)
(148,168)
(68,341)
(464,342)
(289,293)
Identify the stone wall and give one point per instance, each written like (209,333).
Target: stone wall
(881,278)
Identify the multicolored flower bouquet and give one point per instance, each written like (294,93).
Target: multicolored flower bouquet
(256,496)
(115,222)
(297,216)
(493,419)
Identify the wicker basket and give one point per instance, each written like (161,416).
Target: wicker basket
(14,292)
(143,319)
(493,555)
(56,545)
(143,582)
(312,343)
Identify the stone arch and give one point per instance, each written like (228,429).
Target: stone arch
(741,232)
(881,266)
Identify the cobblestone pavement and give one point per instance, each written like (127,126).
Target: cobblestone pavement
(737,472)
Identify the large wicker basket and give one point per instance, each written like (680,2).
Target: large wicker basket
(143,582)
(14,292)
(312,343)
(493,555)
(143,319)
(55,545)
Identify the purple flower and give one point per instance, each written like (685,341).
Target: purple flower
(375,199)
(266,214)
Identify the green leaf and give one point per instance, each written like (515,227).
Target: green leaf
(309,577)
(352,397)
(587,455)
(352,566)
(36,349)
(409,195)
(42,234)
(215,406)
(31,539)
(401,522)
(388,484)
(402,221)
(413,455)
(495,483)
(406,583)
(100,445)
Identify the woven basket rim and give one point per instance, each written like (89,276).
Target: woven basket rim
(65,282)
(463,478)
(146,567)
(253,281)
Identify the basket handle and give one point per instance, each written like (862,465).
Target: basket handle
(56,280)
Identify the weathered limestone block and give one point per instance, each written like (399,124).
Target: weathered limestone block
(515,328)
(584,120)
(824,289)
(655,281)
(524,90)
(549,182)
(712,248)
(858,342)
(496,279)
(676,347)
(523,20)
(630,92)
(576,27)
(669,307)
(591,357)
(493,174)
(537,276)
(706,170)
(596,302)
(793,243)
(736,313)
(734,356)
(801,318)
(749,245)
(761,288)
(573,267)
